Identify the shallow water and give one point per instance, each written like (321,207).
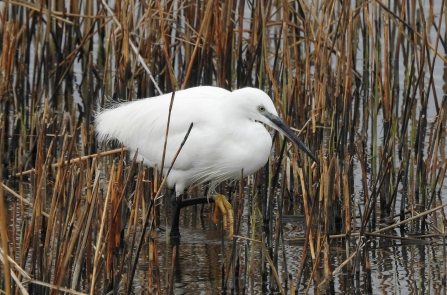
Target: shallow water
(397,267)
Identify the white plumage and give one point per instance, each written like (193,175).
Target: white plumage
(227,135)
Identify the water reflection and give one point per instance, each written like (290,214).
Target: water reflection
(202,265)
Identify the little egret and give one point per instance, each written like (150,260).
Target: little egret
(228,135)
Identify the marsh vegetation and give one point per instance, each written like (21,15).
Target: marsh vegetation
(361,82)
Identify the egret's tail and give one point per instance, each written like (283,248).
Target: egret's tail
(109,123)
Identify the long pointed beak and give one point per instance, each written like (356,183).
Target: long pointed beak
(279,125)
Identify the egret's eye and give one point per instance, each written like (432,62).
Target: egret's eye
(261,108)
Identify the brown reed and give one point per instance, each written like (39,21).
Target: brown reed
(359,79)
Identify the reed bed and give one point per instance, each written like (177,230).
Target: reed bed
(356,79)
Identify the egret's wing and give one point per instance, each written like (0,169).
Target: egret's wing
(142,124)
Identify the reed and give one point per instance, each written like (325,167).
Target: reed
(360,81)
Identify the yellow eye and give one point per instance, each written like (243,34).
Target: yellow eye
(261,108)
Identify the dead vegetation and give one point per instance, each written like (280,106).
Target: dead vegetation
(357,79)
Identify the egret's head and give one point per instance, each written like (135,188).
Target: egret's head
(256,105)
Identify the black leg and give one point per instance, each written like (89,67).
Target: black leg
(177,204)
(196,201)
(175,215)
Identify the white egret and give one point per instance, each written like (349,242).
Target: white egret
(228,135)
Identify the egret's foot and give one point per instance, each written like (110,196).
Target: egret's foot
(222,205)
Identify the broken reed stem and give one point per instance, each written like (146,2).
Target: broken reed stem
(76,160)
(374,233)
(21,198)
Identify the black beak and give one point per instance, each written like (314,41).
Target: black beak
(279,125)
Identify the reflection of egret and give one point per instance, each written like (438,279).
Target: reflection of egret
(228,136)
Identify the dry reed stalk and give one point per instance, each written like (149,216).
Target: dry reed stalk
(309,240)
(133,47)
(7,58)
(269,260)
(75,160)
(135,216)
(227,43)
(156,262)
(15,229)
(386,104)
(239,210)
(305,56)
(411,218)
(55,288)
(150,273)
(340,267)
(7,271)
(114,223)
(413,238)
(166,47)
(171,276)
(87,237)
(56,194)
(328,273)
(123,56)
(22,199)
(71,239)
(273,268)
(53,229)
(203,29)
(233,262)
(68,238)
(13,275)
(327,189)
(138,199)
(99,248)
(166,134)
(346,203)
(307,214)
(252,224)
(314,275)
